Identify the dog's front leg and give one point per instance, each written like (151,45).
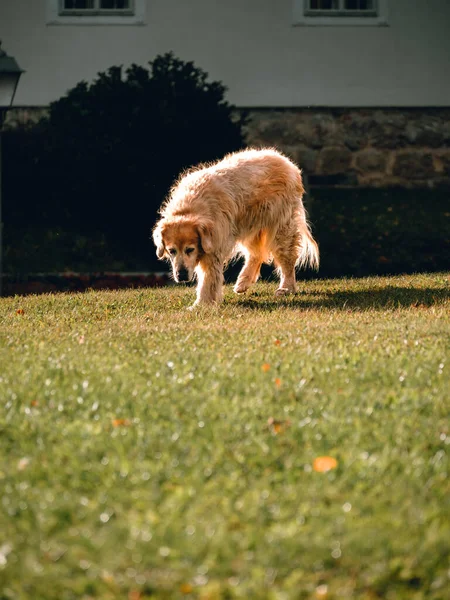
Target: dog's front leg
(210,280)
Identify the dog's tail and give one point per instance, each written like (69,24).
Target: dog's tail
(309,250)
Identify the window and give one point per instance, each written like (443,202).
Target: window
(341,7)
(95,12)
(340,12)
(96,7)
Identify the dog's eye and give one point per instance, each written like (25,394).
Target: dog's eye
(189,251)
(172,251)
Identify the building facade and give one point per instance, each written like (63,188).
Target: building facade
(357,91)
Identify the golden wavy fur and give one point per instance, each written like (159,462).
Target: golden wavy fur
(249,203)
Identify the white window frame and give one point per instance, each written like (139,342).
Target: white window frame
(302,16)
(56,15)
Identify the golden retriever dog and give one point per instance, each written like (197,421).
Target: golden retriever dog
(250,204)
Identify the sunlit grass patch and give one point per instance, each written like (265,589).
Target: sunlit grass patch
(267,448)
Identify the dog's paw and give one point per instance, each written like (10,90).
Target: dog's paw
(202,305)
(284,291)
(241,287)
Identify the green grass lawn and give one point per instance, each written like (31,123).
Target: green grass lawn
(152,452)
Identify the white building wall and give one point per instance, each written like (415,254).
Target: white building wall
(251,46)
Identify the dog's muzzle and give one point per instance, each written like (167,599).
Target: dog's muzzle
(183,275)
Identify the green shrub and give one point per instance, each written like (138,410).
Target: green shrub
(109,151)
(376,231)
(360,232)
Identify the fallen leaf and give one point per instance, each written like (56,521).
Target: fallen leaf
(23,463)
(277,426)
(109,579)
(34,403)
(265,367)
(321,591)
(20,311)
(134,595)
(121,422)
(322,464)
(186,588)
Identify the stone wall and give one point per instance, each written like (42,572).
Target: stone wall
(367,147)
(360,147)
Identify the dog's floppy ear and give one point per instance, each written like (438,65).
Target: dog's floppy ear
(157,238)
(206,233)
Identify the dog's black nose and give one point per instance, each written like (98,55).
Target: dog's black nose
(183,275)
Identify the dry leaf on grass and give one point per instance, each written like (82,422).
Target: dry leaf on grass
(121,422)
(277,426)
(321,591)
(322,464)
(23,463)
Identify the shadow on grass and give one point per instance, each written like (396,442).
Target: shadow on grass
(370,299)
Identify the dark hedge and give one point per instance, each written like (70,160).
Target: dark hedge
(374,231)
(109,151)
(360,232)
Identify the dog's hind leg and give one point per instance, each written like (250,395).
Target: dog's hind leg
(254,252)
(285,249)
(249,274)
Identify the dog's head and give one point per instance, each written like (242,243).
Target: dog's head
(183,241)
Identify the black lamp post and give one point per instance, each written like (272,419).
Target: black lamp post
(10,73)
